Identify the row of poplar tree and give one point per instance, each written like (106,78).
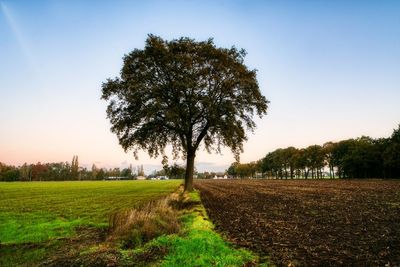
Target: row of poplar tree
(362,157)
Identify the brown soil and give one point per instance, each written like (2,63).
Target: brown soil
(309,223)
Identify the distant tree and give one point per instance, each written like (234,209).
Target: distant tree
(94,172)
(391,155)
(140,171)
(164,163)
(127,172)
(232,169)
(365,159)
(25,172)
(315,158)
(184,93)
(303,162)
(101,174)
(253,168)
(134,172)
(395,137)
(9,173)
(115,172)
(290,155)
(246,170)
(75,167)
(278,162)
(258,167)
(392,160)
(267,165)
(162,172)
(66,171)
(37,171)
(272,164)
(328,148)
(176,171)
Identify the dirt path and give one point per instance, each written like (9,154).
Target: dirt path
(309,223)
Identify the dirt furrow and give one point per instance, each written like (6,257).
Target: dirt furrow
(309,223)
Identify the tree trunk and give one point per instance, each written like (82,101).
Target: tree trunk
(189,172)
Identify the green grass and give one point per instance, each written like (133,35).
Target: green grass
(38,220)
(201,246)
(39,211)
(198,245)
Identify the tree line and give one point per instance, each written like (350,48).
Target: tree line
(362,157)
(64,171)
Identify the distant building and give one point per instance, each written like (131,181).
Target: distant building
(221,177)
(140,177)
(113,178)
(259,175)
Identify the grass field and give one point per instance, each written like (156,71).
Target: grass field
(67,224)
(37,216)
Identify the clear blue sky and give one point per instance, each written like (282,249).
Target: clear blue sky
(331,70)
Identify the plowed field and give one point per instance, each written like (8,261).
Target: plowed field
(309,223)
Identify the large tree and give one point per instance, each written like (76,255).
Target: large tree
(184,93)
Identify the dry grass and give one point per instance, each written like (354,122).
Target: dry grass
(134,227)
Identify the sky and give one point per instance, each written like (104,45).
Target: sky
(331,70)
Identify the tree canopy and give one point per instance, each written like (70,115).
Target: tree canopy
(184,93)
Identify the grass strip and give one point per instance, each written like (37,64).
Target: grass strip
(197,244)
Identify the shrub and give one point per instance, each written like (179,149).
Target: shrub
(137,226)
